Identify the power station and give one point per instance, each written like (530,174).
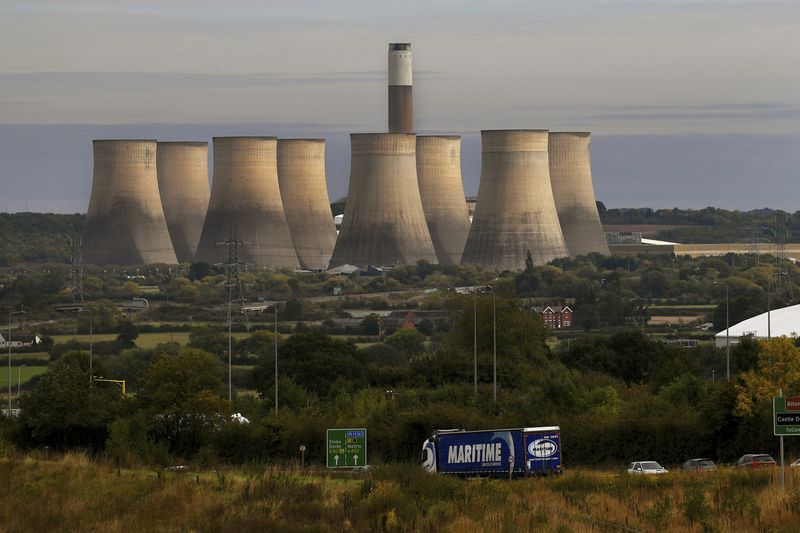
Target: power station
(401,104)
(571,178)
(516,213)
(125,223)
(151,202)
(383,222)
(304,192)
(183,187)
(442,192)
(246,204)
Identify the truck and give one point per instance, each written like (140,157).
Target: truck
(514,452)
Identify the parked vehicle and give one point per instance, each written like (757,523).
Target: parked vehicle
(698,465)
(754,460)
(646,468)
(533,451)
(795,464)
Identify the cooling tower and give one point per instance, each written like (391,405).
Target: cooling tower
(442,193)
(125,222)
(571,178)
(183,184)
(401,109)
(246,199)
(301,174)
(383,220)
(515,211)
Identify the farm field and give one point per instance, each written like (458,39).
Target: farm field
(84,495)
(25,373)
(144,340)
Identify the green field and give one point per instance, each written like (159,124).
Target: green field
(144,340)
(25,373)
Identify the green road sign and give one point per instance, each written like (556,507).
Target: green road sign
(346,448)
(786,416)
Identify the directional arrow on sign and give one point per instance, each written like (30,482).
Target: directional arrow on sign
(336,459)
(355,459)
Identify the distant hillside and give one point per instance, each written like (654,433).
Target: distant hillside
(709,225)
(45,237)
(37,237)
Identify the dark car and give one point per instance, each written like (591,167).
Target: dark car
(754,460)
(698,465)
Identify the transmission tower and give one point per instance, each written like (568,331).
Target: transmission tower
(76,270)
(783,284)
(233,285)
(755,240)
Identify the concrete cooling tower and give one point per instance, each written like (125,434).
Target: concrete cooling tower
(571,178)
(401,109)
(125,222)
(383,220)
(515,211)
(301,174)
(246,198)
(183,184)
(442,193)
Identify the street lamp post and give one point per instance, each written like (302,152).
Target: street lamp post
(91,345)
(727,332)
(494,347)
(12,313)
(474,341)
(276,359)
(769,301)
(19,381)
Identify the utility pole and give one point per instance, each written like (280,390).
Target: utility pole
(276,359)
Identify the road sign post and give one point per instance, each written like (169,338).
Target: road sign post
(346,448)
(785,421)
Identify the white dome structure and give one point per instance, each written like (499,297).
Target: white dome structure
(783,322)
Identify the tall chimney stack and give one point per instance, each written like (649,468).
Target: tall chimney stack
(401,109)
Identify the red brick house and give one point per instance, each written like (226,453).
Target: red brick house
(555,316)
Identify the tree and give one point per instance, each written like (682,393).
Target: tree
(172,382)
(371,325)
(778,369)
(199,270)
(313,361)
(408,341)
(208,339)
(62,410)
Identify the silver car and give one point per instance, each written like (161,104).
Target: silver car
(646,468)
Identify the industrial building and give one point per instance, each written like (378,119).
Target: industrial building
(573,192)
(183,187)
(401,104)
(783,322)
(304,192)
(516,212)
(442,192)
(125,222)
(384,223)
(246,204)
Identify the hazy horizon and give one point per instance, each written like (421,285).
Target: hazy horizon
(690,103)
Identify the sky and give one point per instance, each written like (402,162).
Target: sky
(691,103)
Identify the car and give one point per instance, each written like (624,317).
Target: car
(795,464)
(646,468)
(754,460)
(698,465)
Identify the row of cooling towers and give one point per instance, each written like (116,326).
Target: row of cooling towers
(150,201)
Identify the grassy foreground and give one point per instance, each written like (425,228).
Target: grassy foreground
(73,493)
